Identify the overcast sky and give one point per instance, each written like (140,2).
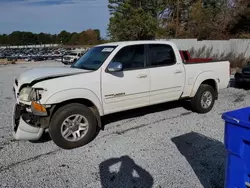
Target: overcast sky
(53,16)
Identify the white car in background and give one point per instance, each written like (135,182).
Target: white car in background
(71,57)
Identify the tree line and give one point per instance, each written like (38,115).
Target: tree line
(202,19)
(88,37)
(151,19)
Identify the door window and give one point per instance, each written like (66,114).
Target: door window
(161,55)
(131,57)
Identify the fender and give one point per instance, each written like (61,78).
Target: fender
(208,75)
(76,93)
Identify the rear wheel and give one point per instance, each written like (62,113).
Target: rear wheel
(73,126)
(204,99)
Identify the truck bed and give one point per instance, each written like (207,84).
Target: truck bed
(219,70)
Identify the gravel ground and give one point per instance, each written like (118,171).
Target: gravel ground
(161,146)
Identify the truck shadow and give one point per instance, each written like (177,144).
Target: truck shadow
(205,155)
(45,138)
(128,174)
(144,111)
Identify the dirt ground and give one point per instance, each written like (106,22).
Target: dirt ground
(5,61)
(164,145)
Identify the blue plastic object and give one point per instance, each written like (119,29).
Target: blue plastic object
(237,144)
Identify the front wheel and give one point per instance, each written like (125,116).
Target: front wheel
(73,126)
(204,99)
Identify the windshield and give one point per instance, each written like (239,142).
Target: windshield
(94,57)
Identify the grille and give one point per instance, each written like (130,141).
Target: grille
(67,58)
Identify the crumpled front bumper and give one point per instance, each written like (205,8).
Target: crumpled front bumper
(21,129)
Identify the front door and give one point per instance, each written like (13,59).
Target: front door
(128,88)
(167,76)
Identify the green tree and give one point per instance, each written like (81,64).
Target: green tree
(64,37)
(98,33)
(28,38)
(43,38)
(74,39)
(133,19)
(3,39)
(15,38)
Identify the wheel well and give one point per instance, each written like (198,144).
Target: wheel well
(213,84)
(85,102)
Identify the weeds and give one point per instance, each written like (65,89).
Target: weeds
(236,60)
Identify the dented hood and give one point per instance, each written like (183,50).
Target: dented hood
(37,74)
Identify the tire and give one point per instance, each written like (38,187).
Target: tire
(70,111)
(237,82)
(196,102)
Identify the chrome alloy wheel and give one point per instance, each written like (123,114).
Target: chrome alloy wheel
(74,127)
(206,99)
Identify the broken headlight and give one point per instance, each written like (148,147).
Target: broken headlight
(36,94)
(28,94)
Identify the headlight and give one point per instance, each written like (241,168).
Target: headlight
(30,94)
(24,94)
(36,94)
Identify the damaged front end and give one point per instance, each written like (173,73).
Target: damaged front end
(30,118)
(30,115)
(26,125)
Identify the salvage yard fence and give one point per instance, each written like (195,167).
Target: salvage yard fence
(237,51)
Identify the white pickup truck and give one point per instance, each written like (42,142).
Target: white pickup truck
(70,101)
(72,57)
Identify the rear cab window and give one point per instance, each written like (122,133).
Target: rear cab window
(161,55)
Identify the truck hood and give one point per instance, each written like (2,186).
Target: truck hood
(37,74)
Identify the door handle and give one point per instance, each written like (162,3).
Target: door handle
(142,76)
(178,71)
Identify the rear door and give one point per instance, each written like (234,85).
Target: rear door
(128,88)
(167,76)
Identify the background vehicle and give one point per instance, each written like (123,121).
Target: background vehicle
(243,77)
(71,57)
(109,78)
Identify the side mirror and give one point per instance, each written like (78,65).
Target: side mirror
(115,67)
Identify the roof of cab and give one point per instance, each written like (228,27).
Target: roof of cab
(124,43)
